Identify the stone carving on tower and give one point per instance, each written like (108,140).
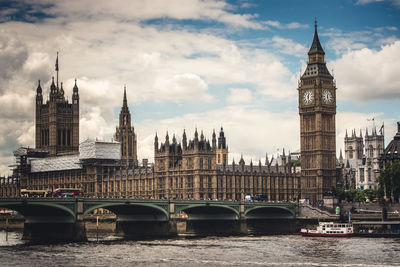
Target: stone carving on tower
(125,134)
(317,109)
(57,121)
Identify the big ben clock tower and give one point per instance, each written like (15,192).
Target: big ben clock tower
(317,109)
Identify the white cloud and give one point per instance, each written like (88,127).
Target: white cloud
(363,2)
(139,10)
(249,131)
(367,74)
(292,25)
(239,95)
(289,47)
(93,125)
(182,87)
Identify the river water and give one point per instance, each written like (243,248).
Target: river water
(284,250)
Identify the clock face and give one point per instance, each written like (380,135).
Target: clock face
(308,97)
(327,96)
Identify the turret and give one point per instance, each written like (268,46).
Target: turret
(283,158)
(75,112)
(173,139)
(184,140)
(75,95)
(53,90)
(214,140)
(39,95)
(221,139)
(156,143)
(39,135)
(196,139)
(61,92)
(167,141)
(241,163)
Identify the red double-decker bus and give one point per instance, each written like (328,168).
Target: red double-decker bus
(67,192)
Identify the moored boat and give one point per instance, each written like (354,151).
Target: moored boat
(330,229)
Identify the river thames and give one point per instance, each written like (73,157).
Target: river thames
(284,250)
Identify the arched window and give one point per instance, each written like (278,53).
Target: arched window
(371,151)
(350,152)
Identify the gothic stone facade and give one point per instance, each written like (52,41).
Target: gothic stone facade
(363,158)
(180,171)
(57,121)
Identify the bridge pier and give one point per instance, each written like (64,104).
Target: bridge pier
(56,228)
(54,232)
(140,229)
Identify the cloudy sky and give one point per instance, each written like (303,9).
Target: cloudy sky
(193,63)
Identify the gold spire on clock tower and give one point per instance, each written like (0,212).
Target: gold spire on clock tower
(317,110)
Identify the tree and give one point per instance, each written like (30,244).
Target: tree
(389,181)
(370,194)
(351,195)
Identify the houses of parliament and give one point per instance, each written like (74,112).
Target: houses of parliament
(195,168)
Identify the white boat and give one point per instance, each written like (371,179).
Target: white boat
(330,229)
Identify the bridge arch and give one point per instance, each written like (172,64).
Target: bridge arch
(270,212)
(205,211)
(35,208)
(132,209)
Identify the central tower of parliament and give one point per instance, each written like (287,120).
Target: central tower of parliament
(195,168)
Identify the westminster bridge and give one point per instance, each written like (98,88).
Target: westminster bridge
(63,218)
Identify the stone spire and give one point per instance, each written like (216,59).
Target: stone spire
(125,115)
(316,47)
(125,101)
